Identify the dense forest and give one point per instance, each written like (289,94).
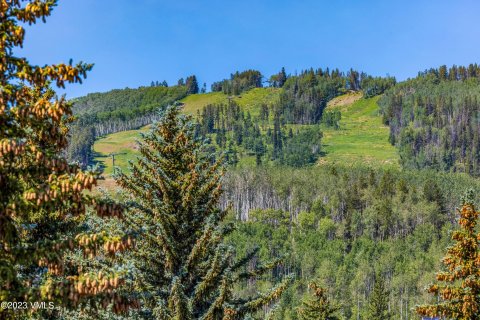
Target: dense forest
(275,143)
(189,231)
(239,82)
(99,114)
(304,97)
(434,119)
(343,226)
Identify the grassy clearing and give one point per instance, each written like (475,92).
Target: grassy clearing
(248,101)
(252,100)
(195,102)
(124,142)
(362,138)
(120,142)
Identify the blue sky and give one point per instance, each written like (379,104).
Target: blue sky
(133,42)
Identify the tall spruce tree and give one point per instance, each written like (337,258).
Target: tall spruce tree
(460,293)
(318,308)
(185,269)
(282,77)
(192,85)
(377,308)
(42,198)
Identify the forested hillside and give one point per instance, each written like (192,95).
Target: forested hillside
(434,119)
(343,226)
(263,124)
(323,194)
(356,217)
(99,114)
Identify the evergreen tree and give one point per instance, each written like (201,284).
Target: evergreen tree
(186,270)
(192,85)
(460,295)
(277,137)
(282,77)
(231,156)
(42,198)
(378,304)
(318,308)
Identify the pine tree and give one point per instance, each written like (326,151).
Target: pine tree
(192,85)
(282,77)
(378,304)
(42,198)
(231,156)
(318,308)
(460,293)
(186,271)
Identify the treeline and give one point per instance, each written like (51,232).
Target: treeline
(434,120)
(99,114)
(233,128)
(304,97)
(346,227)
(453,73)
(239,82)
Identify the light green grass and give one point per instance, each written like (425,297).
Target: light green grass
(195,102)
(249,101)
(252,100)
(120,142)
(124,142)
(362,138)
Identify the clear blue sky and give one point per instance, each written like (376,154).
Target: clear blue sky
(133,42)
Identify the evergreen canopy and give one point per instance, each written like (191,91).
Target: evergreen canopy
(185,269)
(459,290)
(42,198)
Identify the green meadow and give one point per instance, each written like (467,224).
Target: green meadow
(362,138)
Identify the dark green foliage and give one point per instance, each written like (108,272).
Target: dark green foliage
(303,148)
(43,197)
(230,124)
(454,73)
(332,119)
(457,291)
(278,80)
(117,110)
(304,97)
(192,85)
(354,79)
(373,86)
(81,142)
(378,302)
(341,224)
(125,104)
(239,82)
(434,122)
(318,308)
(231,155)
(185,270)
